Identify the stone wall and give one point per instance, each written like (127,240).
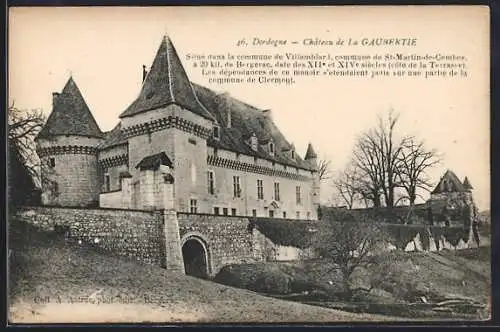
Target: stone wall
(73,180)
(111,199)
(228,238)
(130,233)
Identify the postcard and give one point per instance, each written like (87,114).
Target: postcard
(248,164)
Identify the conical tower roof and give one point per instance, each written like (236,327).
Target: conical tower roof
(167,83)
(70,115)
(467,184)
(310,154)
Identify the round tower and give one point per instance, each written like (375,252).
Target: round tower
(67,148)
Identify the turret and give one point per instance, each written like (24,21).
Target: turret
(67,147)
(311,157)
(467,184)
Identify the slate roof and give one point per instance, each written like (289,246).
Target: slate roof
(245,121)
(154,161)
(70,115)
(455,185)
(114,137)
(310,154)
(166,83)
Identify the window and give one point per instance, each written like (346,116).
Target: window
(193,173)
(271,148)
(271,213)
(216,132)
(297,194)
(52,162)
(254,143)
(254,212)
(293,154)
(233,212)
(236,186)
(193,204)
(276,191)
(106,182)
(211,182)
(260,189)
(224,211)
(298,214)
(308,215)
(216,210)
(284,214)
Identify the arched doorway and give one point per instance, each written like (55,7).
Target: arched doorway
(195,258)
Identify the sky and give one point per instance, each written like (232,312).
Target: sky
(104,50)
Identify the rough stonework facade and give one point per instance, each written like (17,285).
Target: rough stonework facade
(223,156)
(67,147)
(158,237)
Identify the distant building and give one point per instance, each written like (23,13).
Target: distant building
(451,196)
(450,202)
(222,155)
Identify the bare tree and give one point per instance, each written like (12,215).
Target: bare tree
(23,162)
(24,125)
(348,244)
(366,162)
(346,186)
(377,157)
(414,161)
(324,172)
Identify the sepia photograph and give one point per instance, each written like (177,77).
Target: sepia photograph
(258,164)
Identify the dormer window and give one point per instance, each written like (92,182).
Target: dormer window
(293,154)
(271,148)
(254,142)
(216,132)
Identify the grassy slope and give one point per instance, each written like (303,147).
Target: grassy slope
(43,266)
(445,274)
(402,278)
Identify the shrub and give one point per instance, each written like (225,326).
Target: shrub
(295,233)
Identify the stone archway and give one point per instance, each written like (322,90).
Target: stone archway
(195,256)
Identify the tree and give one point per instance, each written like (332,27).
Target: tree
(346,185)
(349,244)
(324,169)
(414,161)
(366,163)
(23,163)
(392,168)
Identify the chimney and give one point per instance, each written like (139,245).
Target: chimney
(144,73)
(54,97)
(223,103)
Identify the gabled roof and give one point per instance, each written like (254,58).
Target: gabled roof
(166,83)
(153,162)
(449,183)
(467,184)
(310,154)
(246,120)
(70,115)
